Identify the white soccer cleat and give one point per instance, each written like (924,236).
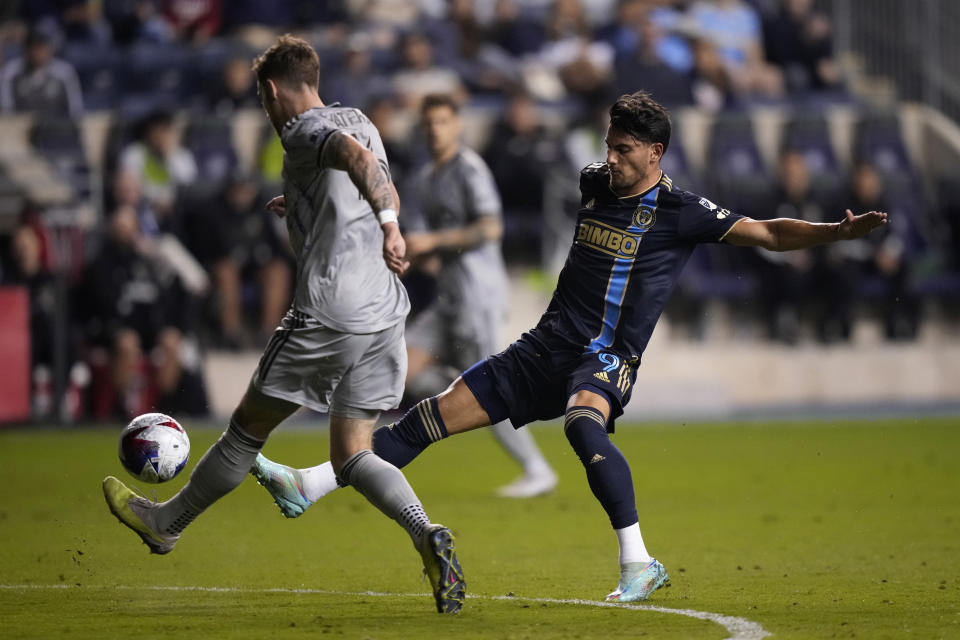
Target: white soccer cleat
(530,485)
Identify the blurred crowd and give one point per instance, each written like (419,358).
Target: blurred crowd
(182,257)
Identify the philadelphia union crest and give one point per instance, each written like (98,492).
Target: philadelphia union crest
(644,218)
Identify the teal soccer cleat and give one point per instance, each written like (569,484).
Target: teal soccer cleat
(443,569)
(283,483)
(638,580)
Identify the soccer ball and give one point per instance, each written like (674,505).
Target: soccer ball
(154,447)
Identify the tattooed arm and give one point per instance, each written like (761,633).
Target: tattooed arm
(343,152)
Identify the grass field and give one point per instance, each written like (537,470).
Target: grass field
(810,530)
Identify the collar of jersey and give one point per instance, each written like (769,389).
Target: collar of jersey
(294,119)
(642,193)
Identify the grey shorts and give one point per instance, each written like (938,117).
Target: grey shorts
(456,338)
(354,375)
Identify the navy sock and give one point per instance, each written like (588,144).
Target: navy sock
(607,470)
(403,440)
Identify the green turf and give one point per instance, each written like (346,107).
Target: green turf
(845,529)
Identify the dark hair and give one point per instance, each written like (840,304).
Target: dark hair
(156,118)
(433,100)
(642,117)
(290,61)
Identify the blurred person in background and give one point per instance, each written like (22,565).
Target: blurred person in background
(243,247)
(160,164)
(397,14)
(235,91)
(798,39)
(623,33)
(514,31)
(459,241)
(483,66)
(583,66)
(734,27)
(193,21)
(880,259)
(128,191)
(519,152)
(26,269)
(711,84)
(130,305)
(643,67)
(384,112)
(81,20)
(355,80)
(674,44)
(419,74)
(39,83)
(136,21)
(808,281)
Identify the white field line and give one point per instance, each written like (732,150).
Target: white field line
(739,628)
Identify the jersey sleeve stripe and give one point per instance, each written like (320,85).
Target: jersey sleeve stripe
(725,233)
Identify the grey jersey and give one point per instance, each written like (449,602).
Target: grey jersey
(456,194)
(342,279)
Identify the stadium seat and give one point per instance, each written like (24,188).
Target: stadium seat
(808,133)
(96,68)
(733,147)
(151,76)
(154,68)
(59,141)
(676,164)
(878,140)
(737,176)
(716,273)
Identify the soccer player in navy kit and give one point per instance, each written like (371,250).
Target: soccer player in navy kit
(635,231)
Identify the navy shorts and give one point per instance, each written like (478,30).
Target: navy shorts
(536,375)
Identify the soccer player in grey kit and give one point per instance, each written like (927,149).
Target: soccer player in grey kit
(456,236)
(340,348)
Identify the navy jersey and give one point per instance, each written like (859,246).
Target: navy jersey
(626,257)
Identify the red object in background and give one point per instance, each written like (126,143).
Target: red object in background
(14,354)
(109,403)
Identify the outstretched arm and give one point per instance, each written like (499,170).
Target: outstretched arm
(343,152)
(787,234)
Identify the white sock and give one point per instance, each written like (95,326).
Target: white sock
(521,446)
(318,481)
(632,548)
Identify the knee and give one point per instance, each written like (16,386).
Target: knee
(586,431)
(252,420)
(591,399)
(242,418)
(344,462)
(579,432)
(339,456)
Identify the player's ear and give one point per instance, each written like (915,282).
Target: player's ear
(656,150)
(270,90)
